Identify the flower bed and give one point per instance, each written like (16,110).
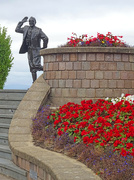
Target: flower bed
(102,40)
(98,134)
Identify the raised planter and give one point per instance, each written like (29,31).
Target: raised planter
(73,74)
(77,73)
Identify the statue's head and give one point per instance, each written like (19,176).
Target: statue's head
(32,21)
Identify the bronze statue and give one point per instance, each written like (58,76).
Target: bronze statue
(32,36)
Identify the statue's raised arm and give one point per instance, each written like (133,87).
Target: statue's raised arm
(24,19)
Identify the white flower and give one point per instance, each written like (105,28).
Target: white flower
(129,98)
(107,98)
(122,95)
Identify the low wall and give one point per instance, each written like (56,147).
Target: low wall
(40,164)
(77,73)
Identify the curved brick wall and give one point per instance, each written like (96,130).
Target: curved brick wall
(40,164)
(81,73)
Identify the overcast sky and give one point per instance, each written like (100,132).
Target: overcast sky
(58,19)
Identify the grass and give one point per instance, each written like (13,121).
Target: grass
(105,163)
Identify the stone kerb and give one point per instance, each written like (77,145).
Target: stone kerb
(77,73)
(39,163)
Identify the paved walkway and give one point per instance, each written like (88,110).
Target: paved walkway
(2,177)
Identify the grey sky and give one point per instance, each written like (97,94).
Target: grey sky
(58,19)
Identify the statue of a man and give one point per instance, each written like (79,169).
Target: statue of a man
(32,36)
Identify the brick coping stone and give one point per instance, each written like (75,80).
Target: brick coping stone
(59,166)
(124,50)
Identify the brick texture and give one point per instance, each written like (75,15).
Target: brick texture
(100,57)
(109,57)
(73,57)
(88,75)
(91,56)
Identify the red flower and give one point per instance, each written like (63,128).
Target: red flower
(72,126)
(75,115)
(84,133)
(65,128)
(123,152)
(129,145)
(60,132)
(116,143)
(96,141)
(86,140)
(127,95)
(102,144)
(94,39)
(107,38)
(75,139)
(118,121)
(76,131)
(132,153)
(56,122)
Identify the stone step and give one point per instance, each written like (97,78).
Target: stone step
(6,118)
(4,128)
(8,109)
(3,139)
(5,152)
(9,102)
(12,94)
(8,168)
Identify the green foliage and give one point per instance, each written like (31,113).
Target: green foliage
(5,56)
